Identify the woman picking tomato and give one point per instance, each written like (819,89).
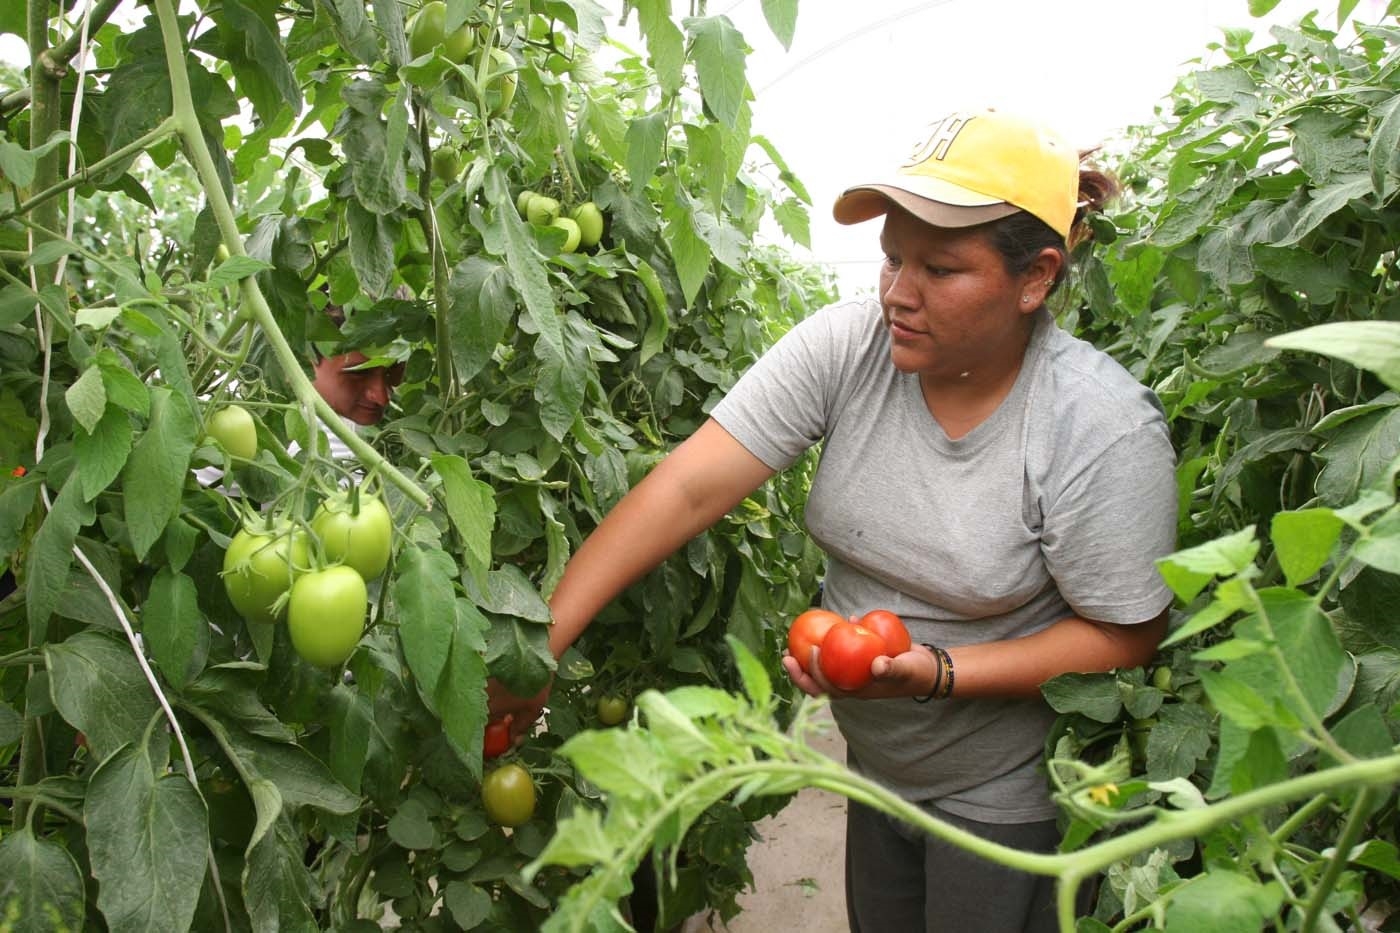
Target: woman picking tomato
(1002,486)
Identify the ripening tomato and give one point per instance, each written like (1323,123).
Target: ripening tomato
(807,632)
(359,539)
(326,614)
(259,567)
(846,654)
(508,793)
(891,628)
(497,740)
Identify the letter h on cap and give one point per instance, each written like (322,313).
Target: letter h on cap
(940,138)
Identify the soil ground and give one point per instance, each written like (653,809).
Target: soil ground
(798,865)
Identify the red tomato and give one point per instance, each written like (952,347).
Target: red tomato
(497,741)
(891,628)
(807,632)
(846,654)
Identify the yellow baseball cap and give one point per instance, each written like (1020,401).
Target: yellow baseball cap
(974,166)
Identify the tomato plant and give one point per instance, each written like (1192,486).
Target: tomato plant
(807,632)
(326,614)
(259,567)
(508,792)
(235,431)
(889,627)
(846,653)
(356,530)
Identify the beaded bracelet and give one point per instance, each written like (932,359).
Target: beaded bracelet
(946,665)
(938,679)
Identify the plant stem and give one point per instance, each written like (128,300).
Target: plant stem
(34,794)
(1351,832)
(187,124)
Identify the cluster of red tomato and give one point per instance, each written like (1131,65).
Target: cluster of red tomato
(846,649)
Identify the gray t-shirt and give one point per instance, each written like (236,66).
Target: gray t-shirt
(1057,504)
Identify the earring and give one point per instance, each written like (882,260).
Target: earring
(1025,299)
(1049,282)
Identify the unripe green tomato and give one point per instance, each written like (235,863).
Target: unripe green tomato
(221,253)
(447,164)
(426,28)
(459,44)
(361,541)
(502,91)
(326,615)
(259,567)
(542,210)
(1162,678)
(590,224)
(612,709)
(571,233)
(522,202)
(235,431)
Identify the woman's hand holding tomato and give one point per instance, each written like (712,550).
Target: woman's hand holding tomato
(848,660)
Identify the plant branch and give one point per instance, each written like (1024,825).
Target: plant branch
(1351,832)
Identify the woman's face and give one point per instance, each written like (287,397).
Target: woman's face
(949,303)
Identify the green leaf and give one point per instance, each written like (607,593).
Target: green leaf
(253,48)
(148,840)
(1371,345)
(235,269)
(1303,540)
(646,137)
(411,827)
(1222,901)
(173,628)
(471,506)
(1188,571)
(720,55)
(352,27)
(782,19)
(351,726)
(102,453)
(1239,702)
(278,888)
(1308,645)
(469,904)
(298,777)
(479,311)
(87,398)
(1358,455)
(1385,141)
(689,252)
(422,591)
(792,217)
(154,477)
(51,555)
(518,655)
(1179,739)
(666,44)
(1093,695)
(99,689)
(373,240)
(43,886)
(526,270)
(460,697)
(1380,545)
(621,762)
(658,321)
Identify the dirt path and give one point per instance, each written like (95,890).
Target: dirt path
(797,867)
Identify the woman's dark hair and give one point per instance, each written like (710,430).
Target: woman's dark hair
(1020,237)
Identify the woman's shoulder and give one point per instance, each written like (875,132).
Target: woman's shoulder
(1087,391)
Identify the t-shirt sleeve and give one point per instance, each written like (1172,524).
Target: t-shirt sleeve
(782,405)
(1110,525)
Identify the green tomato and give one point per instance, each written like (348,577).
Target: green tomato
(571,233)
(361,541)
(326,615)
(612,709)
(501,91)
(1162,679)
(590,224)
(542,210)
(259,566)
(508,793)
(459,44)
(426,28)
(522,202)
(234,430)
(447,164)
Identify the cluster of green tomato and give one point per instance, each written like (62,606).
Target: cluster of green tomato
(583,226)
(268,572)
(427,34)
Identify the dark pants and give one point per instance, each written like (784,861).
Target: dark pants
(901,880)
